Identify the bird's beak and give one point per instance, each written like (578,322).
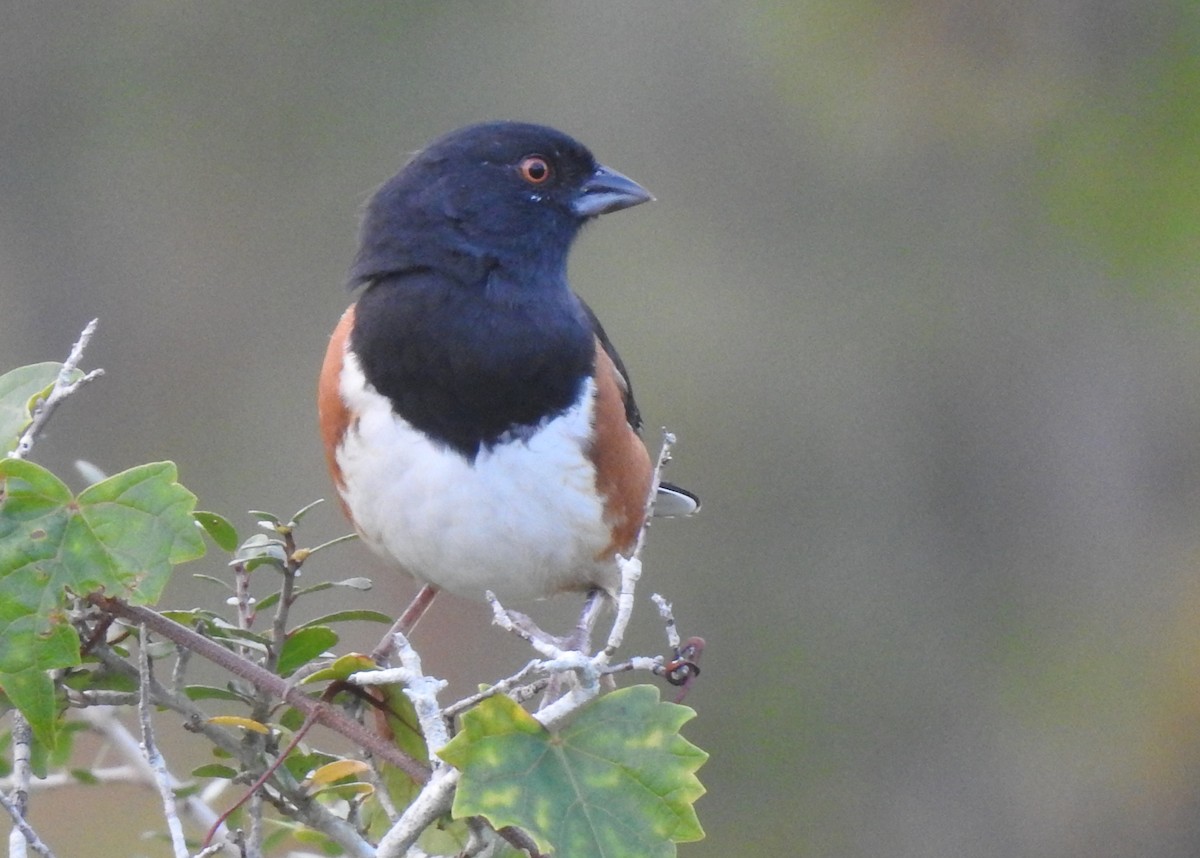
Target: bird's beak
(608,191)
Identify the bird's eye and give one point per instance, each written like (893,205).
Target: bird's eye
(534,169)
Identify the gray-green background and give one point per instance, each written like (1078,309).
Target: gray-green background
(918,298)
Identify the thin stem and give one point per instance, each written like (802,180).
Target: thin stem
(264,679)
(64,386)
(23,833)
(154,759)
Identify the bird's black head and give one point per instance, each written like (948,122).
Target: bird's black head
(505,195)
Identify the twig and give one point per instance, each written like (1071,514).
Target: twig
(287,588)
(254,745)
(182,657)
(508,686)
(631,567)
(64,386)
(104,720)
(106,775)
(260,678)
(682,670)
(523,627)
(422,690)
(22,741)
(196,719)
(294,802)
(588,669)
(22,833)
(22,774)
(433,801)
(154,759)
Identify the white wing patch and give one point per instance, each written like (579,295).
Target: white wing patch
(524,519)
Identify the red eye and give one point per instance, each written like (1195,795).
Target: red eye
(534,169)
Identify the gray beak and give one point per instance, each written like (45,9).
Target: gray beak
(608,191)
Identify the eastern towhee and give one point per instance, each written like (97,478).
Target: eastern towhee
(477,421)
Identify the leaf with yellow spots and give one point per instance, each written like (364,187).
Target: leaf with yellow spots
(618,780)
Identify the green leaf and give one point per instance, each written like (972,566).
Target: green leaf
(291,720)
(32,691)
(194,616)
(258,550)
(618,780)
(265,518)
(352,583)
(341,668)
(218,527)
(356,791)
(361,615)
(120,536)
(19,390)
(211,692)
(305,511)
(214,770)
(200,576)
(302,646)
(336,541)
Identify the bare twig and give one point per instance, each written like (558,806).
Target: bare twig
(22,741)
(105,775)
(293,801)
(682,670)
(64,386)
(22,833)
(505,686)
(667,612)
(22,774)
(433,801)
(331,717)
(631,567)
(422,690)
(154,759)
(104,720)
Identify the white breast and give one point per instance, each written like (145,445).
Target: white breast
(524,519)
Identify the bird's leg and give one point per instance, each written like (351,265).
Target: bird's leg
(407,622)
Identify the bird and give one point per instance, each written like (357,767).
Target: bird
(478,424)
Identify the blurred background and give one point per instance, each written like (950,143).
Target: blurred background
(918,296)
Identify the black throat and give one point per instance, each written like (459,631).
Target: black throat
(471,365)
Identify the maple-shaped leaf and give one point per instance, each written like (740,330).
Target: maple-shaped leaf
(19,390)
(618,780)
(120,536)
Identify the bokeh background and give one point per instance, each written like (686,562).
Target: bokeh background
(919,298)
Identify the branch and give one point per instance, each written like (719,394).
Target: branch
(293,800)
(64,386)
(422,690)
(22,833)
(631,567)
(154,760)
(432,802)
(265,680)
